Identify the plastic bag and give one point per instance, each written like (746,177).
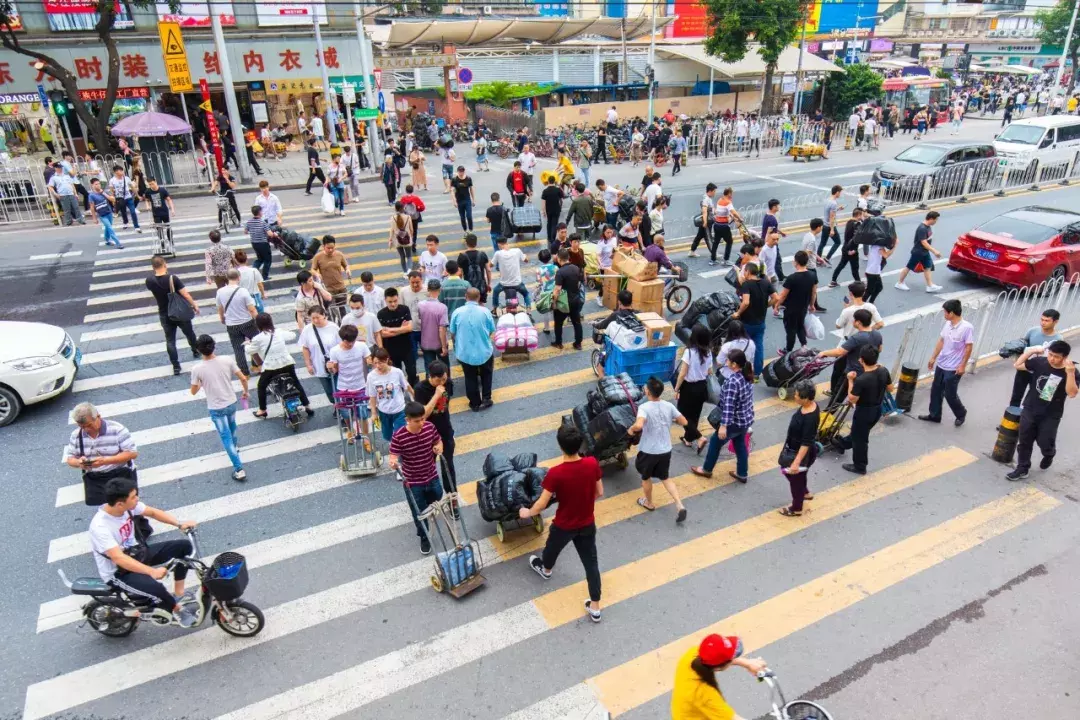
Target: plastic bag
(496,464)
(523,461)
(609,428)
(1013,348)
(327,201)
(815,329)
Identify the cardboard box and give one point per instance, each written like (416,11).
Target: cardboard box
(657,329)
(633,266)
(643,316)
(656,307)
(645,292)
(611,282)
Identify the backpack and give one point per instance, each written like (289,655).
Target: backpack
(411,211)
(474,272)
(402,236)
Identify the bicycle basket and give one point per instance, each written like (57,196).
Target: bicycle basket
(228,576)
(682,271)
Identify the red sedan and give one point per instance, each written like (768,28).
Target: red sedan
(1021,247)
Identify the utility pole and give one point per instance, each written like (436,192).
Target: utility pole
(625,62)
(230,96)
(798,70)
(365,68)
(652,62)
(1065,52)
(328,93)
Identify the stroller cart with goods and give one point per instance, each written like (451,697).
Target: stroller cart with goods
(802,364)
(458,563)
(295,247)
(606,416)
(360,455)
(510,484)
(292,409)
(831,425)
(163,244)
(525,220)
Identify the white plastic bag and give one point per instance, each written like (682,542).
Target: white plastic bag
(327,201)
(815,330)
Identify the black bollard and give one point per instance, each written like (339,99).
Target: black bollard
(1008,434)
(905,387)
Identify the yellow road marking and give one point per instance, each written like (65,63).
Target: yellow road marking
(650,675)
(635,578)
(528,389)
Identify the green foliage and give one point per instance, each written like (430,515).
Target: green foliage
(943,74)
(501,93)
(1054,24)
(773,24)
(843,91)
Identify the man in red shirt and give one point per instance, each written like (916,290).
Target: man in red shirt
(412,452)
(577,482)
(409,198)
(519,183)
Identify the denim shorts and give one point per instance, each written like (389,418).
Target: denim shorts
(447,171)
(920,258)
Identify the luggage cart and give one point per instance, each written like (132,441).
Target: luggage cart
(831,424)
(513,521)
(458,564)
(164,245)
(808,371)
(360,455)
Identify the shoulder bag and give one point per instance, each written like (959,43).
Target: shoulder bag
(178,309)
(256,358)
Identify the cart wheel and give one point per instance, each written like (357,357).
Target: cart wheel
(622,461)
(288,262)
(499,532)
(596,361)
(378,458)
(781,392)
(436,583)
(341,462)
(538,524)
(678,299)
(302,264)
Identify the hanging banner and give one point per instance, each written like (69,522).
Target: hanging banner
(175,56)
(70,6)
(690,20)
(196,14)
(82,16)
(211,123)
(813,17)
(274,14)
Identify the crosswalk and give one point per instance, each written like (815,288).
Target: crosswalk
(351,629)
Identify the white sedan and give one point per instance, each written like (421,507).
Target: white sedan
(37,362)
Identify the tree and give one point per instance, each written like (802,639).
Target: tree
(843,91)
(1054,24)
(772,24)
(96,124)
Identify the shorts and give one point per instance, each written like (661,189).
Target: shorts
(920,258)
(447,172)
(653,467)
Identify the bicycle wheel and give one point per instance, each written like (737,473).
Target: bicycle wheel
(805,710)
(678,299)
(596,361)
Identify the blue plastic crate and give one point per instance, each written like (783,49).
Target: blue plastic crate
(641,364)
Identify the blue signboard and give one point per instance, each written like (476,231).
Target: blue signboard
(553,9)
(615,8)
(41,94)
(842,14)
(382,102)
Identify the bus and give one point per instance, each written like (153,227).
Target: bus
(918,91)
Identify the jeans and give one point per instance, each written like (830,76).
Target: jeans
(575,319)
(863,419)
(421,496)
(225,423)
(391,422)
(170,328)
(737,437)
(464,209)
(612,219)
(584,540)
(127,207)
(138,585)
(478,381)
(328,387)
(757,334)
(110,233)
(263,258)
(522,291)
(828,233)
(70,207)
(237,335)
(405,361)
(585,175)
(338,191)
(404,255)
(495,241)
(1036,429)
(391,193)
(945,386)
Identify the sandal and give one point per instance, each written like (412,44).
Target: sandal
(808,496)
(788,512)
(261,414)
(641,502)
(686,443)
(700,472)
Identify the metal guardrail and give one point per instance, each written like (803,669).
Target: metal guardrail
(503,121)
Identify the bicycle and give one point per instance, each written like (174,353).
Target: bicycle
(228,217)
(794,710)
(677,296)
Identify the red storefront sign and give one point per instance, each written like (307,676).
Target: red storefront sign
(75,7)
(690,20)
(129,93)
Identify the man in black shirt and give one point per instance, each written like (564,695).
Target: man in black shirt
(849,351)
(756,295)
(432,394)
(159,284)
(624,310)
(849,253)
(160,202)
(496,217)
(464,196)
(1053,378)
(568,280)
(314,170)
(396,321)
(475,267)
(552,197)
(866,391)
(797,297)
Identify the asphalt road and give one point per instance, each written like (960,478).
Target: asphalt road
(929,588)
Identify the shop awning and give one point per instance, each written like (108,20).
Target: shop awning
(469,32)
(1012,70)
(751,66)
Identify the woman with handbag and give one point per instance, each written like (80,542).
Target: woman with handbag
(732,418)
(417,163)
(736,339)
(401,236)
(691,386)
(800,447)
(335,183)
(269,349)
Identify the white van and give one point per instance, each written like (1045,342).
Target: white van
(1050,140)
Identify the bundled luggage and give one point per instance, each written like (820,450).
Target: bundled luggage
(875,230)
(295,246)
(619,390)
(515,330)
(714,311)
(627,203)
(509,484)
(609,429)
(606,416)
(526,219)
(782,370)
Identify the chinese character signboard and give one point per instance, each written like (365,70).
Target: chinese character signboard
(81,15)
(196,14)
(124,93)
(175,56)
(275,14)
(690,20)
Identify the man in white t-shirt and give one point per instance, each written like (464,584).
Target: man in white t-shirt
(317,130)
(527,160)
(126,562)
(237,311)
(214,375)
(349,361)
(432,261)
(653,191)
(374,296)
(612,116)
(653,462)
(742,128)
(366,323)
(316,341)
(507,261)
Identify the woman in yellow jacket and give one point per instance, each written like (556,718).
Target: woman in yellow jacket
(696,695)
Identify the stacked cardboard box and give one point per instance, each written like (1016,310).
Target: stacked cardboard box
(657,329)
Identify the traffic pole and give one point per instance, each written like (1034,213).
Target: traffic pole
(905,387)
(1007,437)
(236,128)
(328,93)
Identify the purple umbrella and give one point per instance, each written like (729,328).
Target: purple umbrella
(150,124)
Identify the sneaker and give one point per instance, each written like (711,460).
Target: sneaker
(852,468)
(594,615)
(1016,474)
(138,230)
(124,227)
(725,263)
(600,301)
(425,546)
(239,475)
(680,517)
(185,616)
(1046,462)
(901,286)
(833,283)
(691,254)
(189,596)
(176,370)
(932,288)
(538,567)
(713,263)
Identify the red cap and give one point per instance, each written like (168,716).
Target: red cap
(717,650)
